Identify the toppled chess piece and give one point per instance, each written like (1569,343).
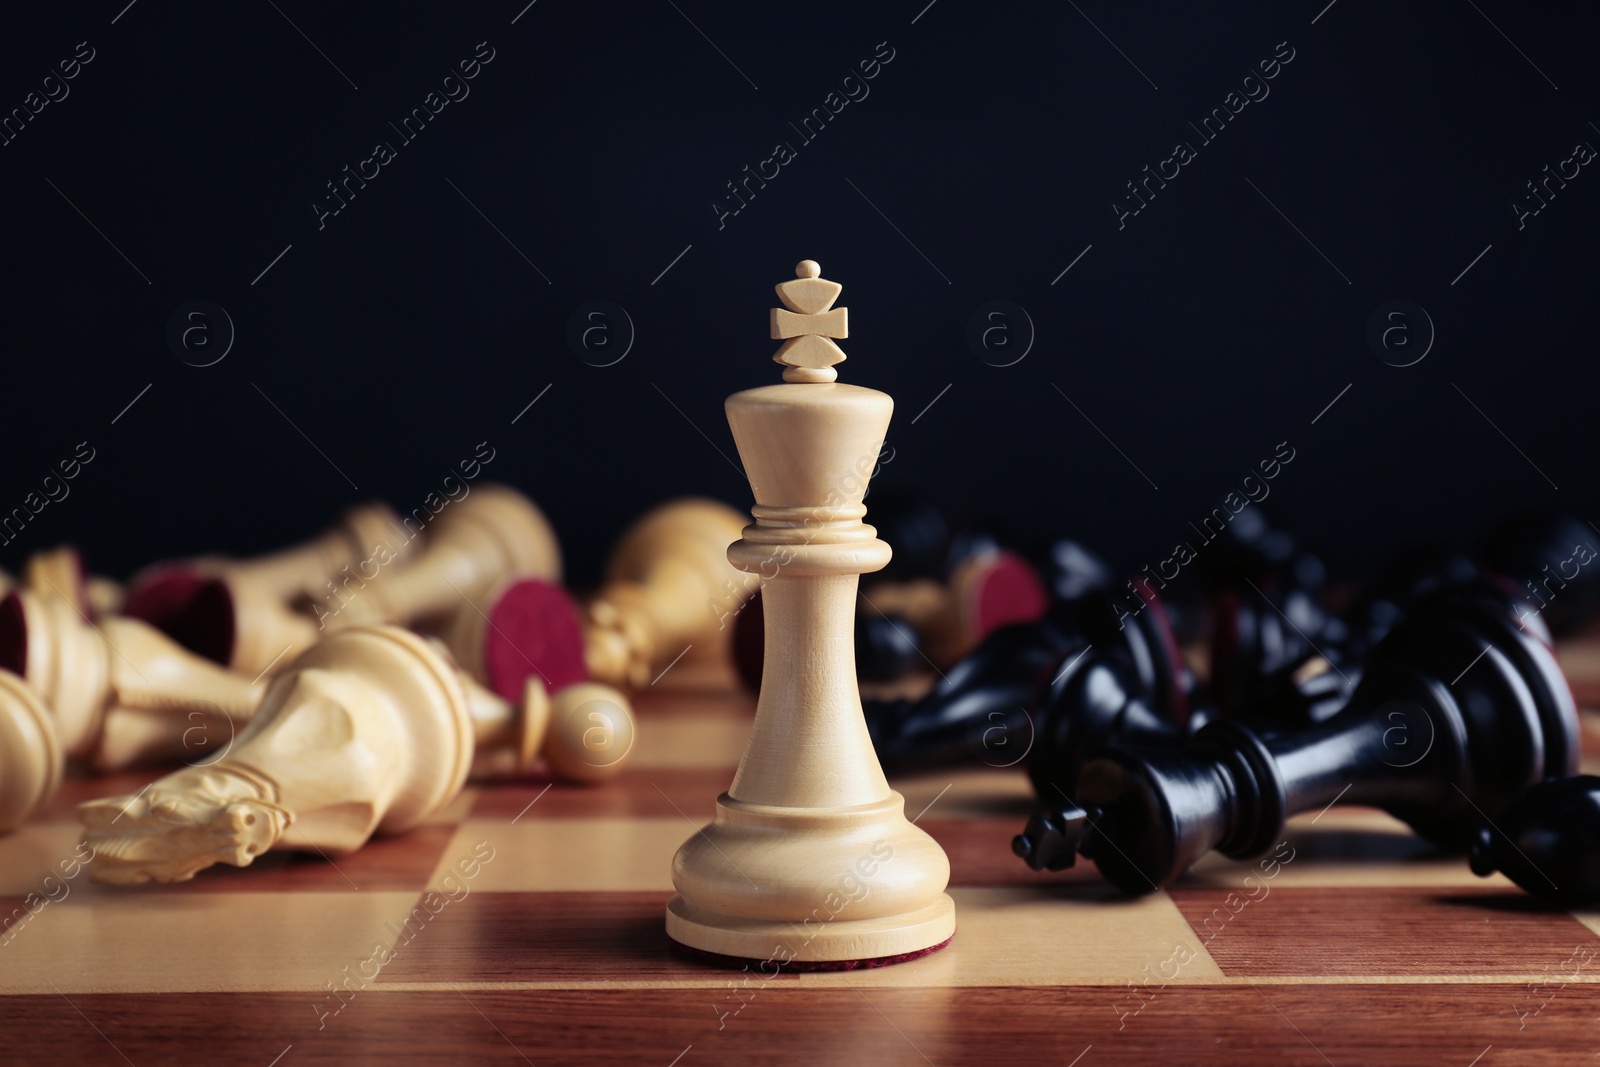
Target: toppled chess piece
(1547,841)
(160,593)
(120,691)
(372,730)
(1047,695)
(246,624)
(1551,558)
(60,572)
(668,587)
(528,645)
(30,756)
(1458,710)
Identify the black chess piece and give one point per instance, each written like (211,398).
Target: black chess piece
(1251,547)
(1458,711)
(1266,630)
(1409,579)
(1428,577)
(1552,559)
(1072,571)
(1268,612)
(1051,692)
(979,711)
(1547,841)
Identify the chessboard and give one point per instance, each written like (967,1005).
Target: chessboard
(524,925)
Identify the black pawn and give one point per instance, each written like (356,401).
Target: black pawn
(1547,841)
(1455,715)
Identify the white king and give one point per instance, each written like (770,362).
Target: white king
(810,858)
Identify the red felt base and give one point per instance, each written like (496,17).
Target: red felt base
(717,959)
(1008,590)
(534,627)
(13,636)
(164,596)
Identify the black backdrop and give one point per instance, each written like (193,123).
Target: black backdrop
(982,159)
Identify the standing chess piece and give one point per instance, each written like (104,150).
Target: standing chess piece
(810,859)
(120,691)
(947,588)
(30,756)
(668,587)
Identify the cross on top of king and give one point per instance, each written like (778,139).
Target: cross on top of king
(806,327)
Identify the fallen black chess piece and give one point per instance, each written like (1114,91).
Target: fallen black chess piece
(1458,711)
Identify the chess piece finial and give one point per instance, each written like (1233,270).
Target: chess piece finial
(58,572)
(807,326)
(809,819)
(583,732)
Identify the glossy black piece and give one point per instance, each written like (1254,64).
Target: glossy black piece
(1266,630)
(1251,548)
(887,647)
(1547,841)
(1554,560)
(1071,571)
(1433,578)
(1268,613)
(979,711)
(1091,702)
(1047,694)
(918,529)
(1457,712)
(1411,577)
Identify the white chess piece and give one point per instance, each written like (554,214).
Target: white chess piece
(810,857)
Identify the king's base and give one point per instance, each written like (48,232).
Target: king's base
(740,963)
(795,944)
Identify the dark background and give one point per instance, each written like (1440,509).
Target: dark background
(408,329)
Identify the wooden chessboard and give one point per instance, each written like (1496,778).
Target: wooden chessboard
(542,942)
